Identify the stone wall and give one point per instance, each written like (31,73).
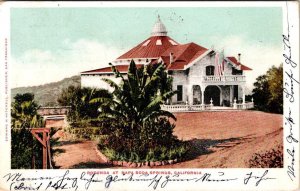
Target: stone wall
(56,123)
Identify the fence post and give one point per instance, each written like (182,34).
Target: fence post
(234,104)
(211,103)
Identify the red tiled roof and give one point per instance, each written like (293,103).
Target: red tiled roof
(233,60)
(150,49)
(121,68)
(243,67)
(183,55)
(178,65)
(166,60)
(236,62)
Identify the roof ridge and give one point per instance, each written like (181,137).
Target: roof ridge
(144,51)
(186,48)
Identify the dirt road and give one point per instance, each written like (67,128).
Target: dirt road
(219,139)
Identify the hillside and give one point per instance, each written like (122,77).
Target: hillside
(47,94)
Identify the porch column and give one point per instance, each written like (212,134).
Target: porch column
(221,96)
(190,94)
(244,101)
(231,94)
(202,95)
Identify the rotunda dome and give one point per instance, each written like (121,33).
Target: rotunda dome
(159,28)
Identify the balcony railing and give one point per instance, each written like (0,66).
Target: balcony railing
(247,105)
(184,107)
(231,78)
(179,108)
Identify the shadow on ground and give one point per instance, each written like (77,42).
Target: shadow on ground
(91,165)
(62,143)
(58,151)
(198,147)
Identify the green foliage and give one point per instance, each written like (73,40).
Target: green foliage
(23,145)
(24,111)
(151,155)
(79,101)
(268,91)
(138,98)
(86,132)
(133,121)
(268,159)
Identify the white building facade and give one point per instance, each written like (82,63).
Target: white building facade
(204,78)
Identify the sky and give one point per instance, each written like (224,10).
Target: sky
(49,44)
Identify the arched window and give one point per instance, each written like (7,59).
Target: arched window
(210,70)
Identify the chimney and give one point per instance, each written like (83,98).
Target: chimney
(239,57)
(171,58)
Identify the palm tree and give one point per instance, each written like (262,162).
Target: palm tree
(135,122)
(24,112)
(139,96)
(23,146)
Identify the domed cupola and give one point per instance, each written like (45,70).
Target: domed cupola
(159,28)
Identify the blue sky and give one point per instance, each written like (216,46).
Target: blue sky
(66,41)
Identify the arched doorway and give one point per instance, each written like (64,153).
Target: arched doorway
(212,92)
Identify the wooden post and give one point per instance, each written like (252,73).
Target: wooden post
(33,162)
(44,150)
(45,133)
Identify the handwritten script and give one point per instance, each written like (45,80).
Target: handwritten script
(289,91)
(84,181)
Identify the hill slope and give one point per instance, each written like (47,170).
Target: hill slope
(47,94)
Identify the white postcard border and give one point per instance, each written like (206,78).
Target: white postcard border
(281,182)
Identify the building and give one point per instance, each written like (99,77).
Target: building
(203,77)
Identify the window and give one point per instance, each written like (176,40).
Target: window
(237,72)
(146,43)
(172,42)
(179,93)
(158,42)
(210,70)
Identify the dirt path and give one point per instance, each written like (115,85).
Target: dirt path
(219,139)
(232,154)
(81,154)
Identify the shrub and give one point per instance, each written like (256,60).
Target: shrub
(80,106)
(268,159)
(85,133)
(136,127)
(23,146)
(151,155)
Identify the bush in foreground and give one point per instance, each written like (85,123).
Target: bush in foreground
(268,159)
(23,146)
(154,142)
(136,128)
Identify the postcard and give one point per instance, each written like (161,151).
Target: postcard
(149,96)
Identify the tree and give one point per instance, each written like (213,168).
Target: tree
(268,91)
(135,122)
(275,83)
(24,146)
(24,111)
(79,101)
(139,97)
